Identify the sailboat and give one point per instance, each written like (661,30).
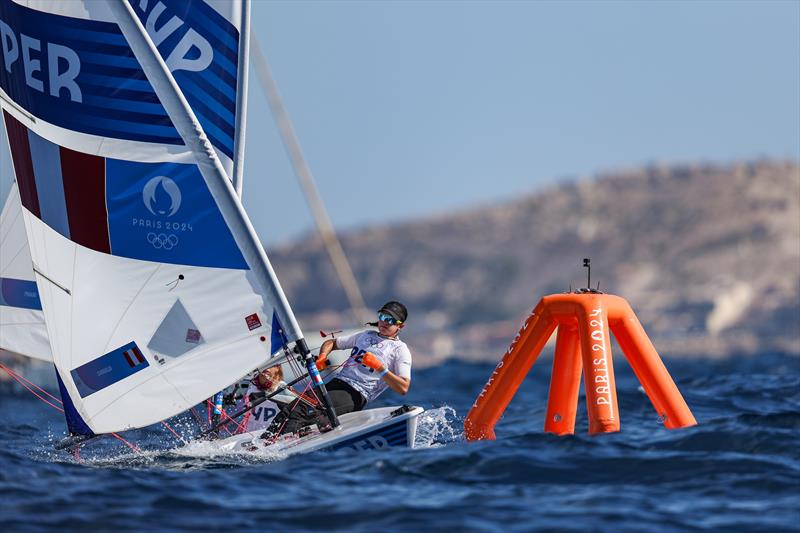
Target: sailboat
(125,127)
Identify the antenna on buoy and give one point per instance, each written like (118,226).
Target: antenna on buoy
(587,264)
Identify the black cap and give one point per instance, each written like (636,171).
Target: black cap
(395,309)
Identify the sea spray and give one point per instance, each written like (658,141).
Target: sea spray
(439,426)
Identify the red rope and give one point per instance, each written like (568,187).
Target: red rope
(247,416)
(197,418)
(225,416)
(239,426)
(22,381)
(131,446)
(29,382)
(18,380)
(296,403)
(173,432)
(222,413)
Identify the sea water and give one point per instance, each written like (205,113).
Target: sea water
(738,470)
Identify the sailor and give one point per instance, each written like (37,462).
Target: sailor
(378,360)
(262,415)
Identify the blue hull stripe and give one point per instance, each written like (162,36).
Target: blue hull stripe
(394,435)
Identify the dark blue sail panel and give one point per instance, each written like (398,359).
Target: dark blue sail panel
(21,293)
(109,369)
(202,53)
(164,212)
(75,423)
(278,339)
(82,75)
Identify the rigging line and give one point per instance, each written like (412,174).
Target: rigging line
(19,379)
(304,175)
(298,370)
(173,431)
(40,389)
(21,249)
(226,420)
(304,394)
(17,212)
(246,419)
(3,222)
(14,376)
(197,418)
(286,419)
(283,424)
(223,425)
(133,447)
(305,397)
(239,426)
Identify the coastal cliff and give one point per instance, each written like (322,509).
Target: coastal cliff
(707,254)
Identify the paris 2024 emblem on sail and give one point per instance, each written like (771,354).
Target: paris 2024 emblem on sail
(164,212)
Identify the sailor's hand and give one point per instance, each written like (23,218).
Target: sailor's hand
(322,362)
(370,360)
(255,396)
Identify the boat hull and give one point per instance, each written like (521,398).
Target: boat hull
(384,427)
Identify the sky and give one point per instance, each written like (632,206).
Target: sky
(414,109)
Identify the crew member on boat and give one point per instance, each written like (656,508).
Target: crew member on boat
(378,360)
(265,382)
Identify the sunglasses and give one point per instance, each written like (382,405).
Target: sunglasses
(389,319)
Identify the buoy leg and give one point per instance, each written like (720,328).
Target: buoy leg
(565,382)
(598,368)
(507,376)
(652,373)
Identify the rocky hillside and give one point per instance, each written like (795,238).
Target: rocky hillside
(708,255)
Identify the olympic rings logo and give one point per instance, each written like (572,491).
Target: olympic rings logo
(162,240)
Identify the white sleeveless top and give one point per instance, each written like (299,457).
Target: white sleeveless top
(394,354)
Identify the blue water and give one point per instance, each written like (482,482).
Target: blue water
(738,470)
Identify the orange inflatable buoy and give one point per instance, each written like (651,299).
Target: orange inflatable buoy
(585,322)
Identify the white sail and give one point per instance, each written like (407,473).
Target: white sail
(73,57)
(154,298)
(22,327)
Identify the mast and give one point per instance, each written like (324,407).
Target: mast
(241,98)
(193,135)
(313,198)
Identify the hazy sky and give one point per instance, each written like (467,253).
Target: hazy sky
(407,109)
(412,108)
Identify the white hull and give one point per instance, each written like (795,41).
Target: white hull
(361,430)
